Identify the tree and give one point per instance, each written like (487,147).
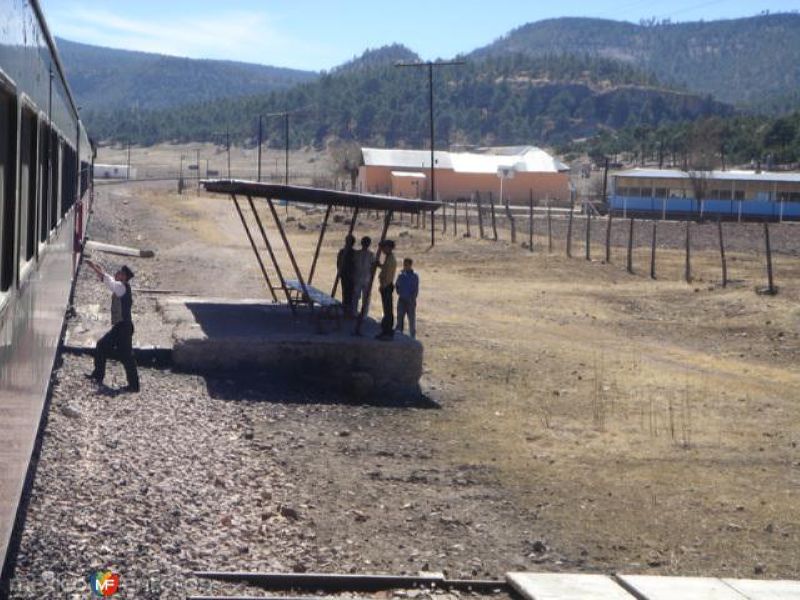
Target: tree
(346,157)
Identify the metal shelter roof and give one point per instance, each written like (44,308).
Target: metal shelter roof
(309,195)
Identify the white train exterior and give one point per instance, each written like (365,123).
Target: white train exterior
(45,172)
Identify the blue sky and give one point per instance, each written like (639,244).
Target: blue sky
(320,34)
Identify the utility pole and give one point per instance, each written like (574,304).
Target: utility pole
(228,144)
(430,66)
(286,114)
(260,141)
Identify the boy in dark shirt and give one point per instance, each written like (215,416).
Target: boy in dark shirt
(407,287)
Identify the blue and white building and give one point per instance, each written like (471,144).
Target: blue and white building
(729,195)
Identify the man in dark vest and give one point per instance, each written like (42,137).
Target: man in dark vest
(119,340)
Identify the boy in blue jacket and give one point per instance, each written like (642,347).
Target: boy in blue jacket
(407,287)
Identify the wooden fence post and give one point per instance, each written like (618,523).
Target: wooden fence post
(549,228)
(630,247)
(494,218)
(722,254)
(530,222)
(455,218)
(588,233)
(653,250)
(444,218)
(433,228)
(569,227)
(466,217)
(770,282)
(513,224)
(608,237)
(687,271)
(480,214)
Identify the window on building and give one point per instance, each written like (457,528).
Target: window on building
(661,192)
(738,195)
(8,164)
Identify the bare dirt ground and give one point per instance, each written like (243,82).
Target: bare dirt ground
(590,420)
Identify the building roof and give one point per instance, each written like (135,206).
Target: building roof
(524,159)
(764,176)
(309,195)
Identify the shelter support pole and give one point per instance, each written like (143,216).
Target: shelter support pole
(433,229)
(319,243)
(349,232)
(466,217)
(271,252)
(288,247)
(549,227)
(253,246)
(387,220)
(455,218)
(608,236)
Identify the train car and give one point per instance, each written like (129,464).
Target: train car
(726,195)
(45,181)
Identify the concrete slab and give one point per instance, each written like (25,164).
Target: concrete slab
(220,334)
(760,589)
(566,586)
(654,587)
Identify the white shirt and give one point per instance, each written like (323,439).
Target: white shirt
(115,287)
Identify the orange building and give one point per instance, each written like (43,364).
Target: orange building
(520,171)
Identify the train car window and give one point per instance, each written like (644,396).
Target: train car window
(67,178)
(8,167)
(27,186)
(55,178)
(45,178)
(84,177)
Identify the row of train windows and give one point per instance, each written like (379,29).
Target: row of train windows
(646,192)
(44,172)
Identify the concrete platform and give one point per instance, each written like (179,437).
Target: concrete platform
(579,586)
(564,586)
(233,335)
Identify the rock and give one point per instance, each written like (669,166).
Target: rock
(289,513)
(70,412)
(539,547)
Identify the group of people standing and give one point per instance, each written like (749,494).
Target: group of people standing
(355,270)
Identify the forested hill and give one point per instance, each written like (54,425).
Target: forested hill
(740,61)
(506,100)
(109,79)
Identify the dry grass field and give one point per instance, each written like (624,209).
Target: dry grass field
(645,425)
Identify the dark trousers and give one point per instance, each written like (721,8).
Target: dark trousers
(117,343)
(348,287)
(387,323)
